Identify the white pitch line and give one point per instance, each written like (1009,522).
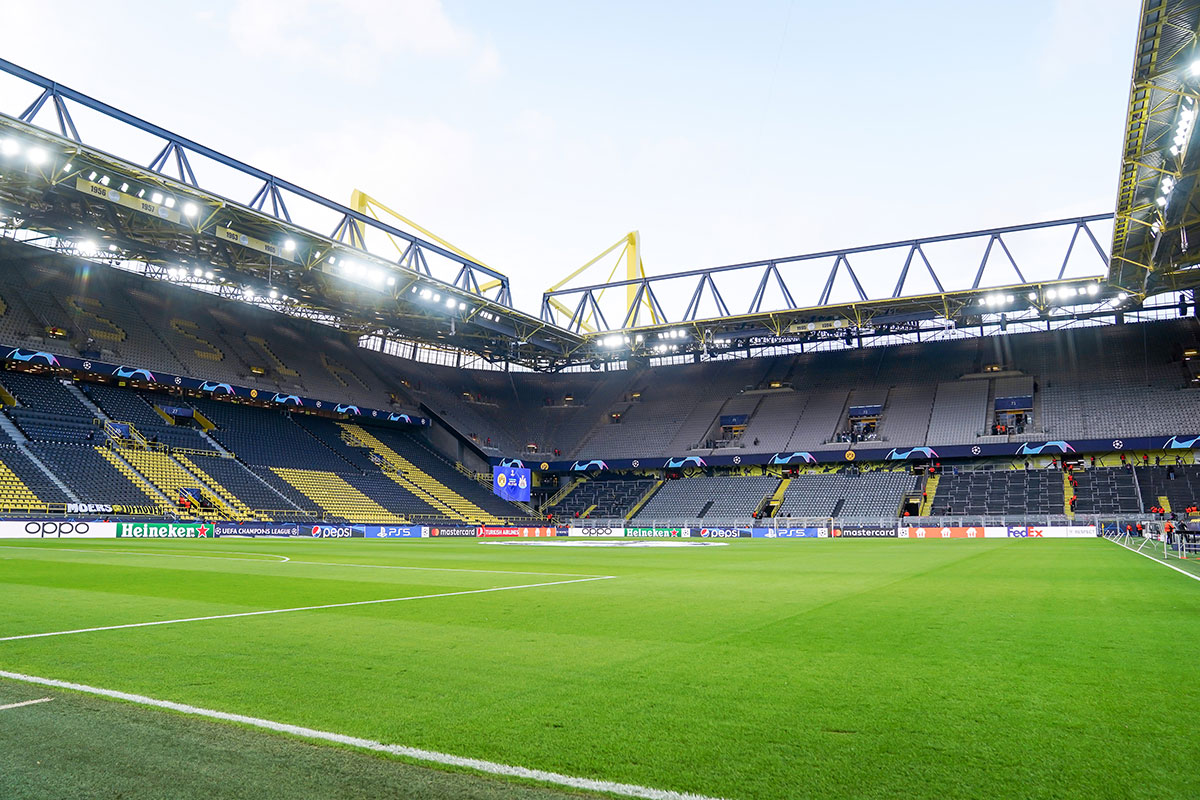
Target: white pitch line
(26,703)
(416,754)
(302,608)
(1158,560)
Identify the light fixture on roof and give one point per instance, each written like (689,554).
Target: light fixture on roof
(1051,294)
(1122,297)
(248,293)
(10,147)
(170,202)
(104,179)
(451,302)
(156,198)
(1032,296)
(37,156)
(112,248)
(289,246)
(68,167)
(208,276)
(391,281)
(190,210)
(1093,289)
(1195,68)
(1009,298)
(462,306)
(274,295)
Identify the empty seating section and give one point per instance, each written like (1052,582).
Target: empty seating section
(719,499)
(91,476)
(14,494)
(959,411)
(1012,491)
(19,469)
(427,476)
(1106,491)
(602,499)
(268,437)
(772,425)
(1181,491)
(871,495)
(123,405)
(44,393)
(905,421)
(55,427)
(336,497)
(238,481)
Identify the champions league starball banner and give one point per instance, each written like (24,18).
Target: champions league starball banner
(511,483)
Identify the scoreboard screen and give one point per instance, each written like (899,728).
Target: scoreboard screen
(511,483)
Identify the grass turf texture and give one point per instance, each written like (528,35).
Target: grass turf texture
(766,669)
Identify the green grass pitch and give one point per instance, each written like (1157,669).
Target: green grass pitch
(758,669)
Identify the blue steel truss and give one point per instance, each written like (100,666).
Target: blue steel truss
(649,295)
(178,153)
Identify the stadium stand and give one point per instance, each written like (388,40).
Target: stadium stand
(1178,484)
(1107,491)
(874,494)
(602,498)
(337,498)
(729,498)
(1004,491)
(94,475)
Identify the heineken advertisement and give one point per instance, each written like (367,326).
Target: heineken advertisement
(655,533)
(164,530)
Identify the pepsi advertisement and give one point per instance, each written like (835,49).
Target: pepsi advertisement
(511,483)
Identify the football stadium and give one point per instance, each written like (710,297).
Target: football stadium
(298,500)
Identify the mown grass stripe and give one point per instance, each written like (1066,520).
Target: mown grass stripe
(413,753)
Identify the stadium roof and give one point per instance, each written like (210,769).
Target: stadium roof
(1157,229)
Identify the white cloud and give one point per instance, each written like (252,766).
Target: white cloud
(356,36)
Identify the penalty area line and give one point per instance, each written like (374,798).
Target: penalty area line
(301,608)
(26,703)
(1156,560)
(412,753)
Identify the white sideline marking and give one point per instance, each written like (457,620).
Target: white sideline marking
(147,553)
(1159,560)
(301,608)
(26,703)
(416,754)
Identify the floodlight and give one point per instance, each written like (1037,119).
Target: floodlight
(461,305)
(1093,289)
(451,302)
(197,272)
(1195,68)
(1032,296)
(10,147)
(208,276)
(426,294)
(1051,294)
(170,202)
(37,156)
(1162,202)
(1009,298)
(104,180)
(156,198)
(68,167)
(1122,297)
(124,187)
(274,295)
(391,281)
(190,210)
(289,246)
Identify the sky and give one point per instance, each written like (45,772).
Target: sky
(535,134)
